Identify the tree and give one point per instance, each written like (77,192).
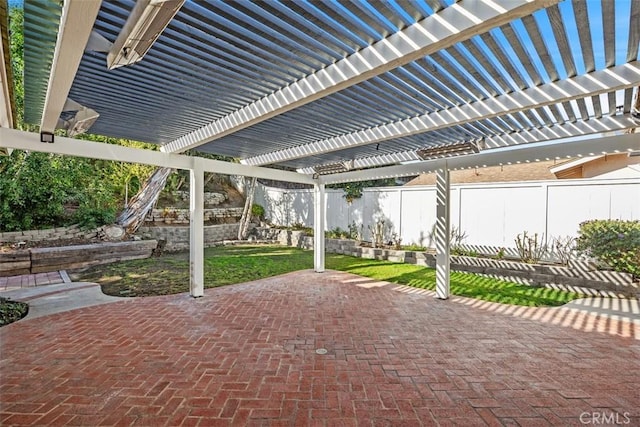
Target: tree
(16,43)
(46,190)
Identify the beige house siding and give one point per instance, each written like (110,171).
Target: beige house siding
(607,164)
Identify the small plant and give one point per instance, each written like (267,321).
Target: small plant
(396,241)
(355,231)
(529,248)
(169,213)
(257,211)
(500,253)
(414,248)
(614,242)
(456,237)
(460,251)
(11,311)
(337,233)
(299,227)
(377,233)
(563,248)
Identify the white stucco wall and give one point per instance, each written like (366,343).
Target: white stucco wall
(491,215)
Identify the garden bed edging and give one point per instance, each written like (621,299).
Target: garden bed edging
(577,273)
(41,260)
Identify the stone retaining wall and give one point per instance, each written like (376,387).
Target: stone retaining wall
(181,216)
(40,260)
(578,273)
(58,233)
(177,237)
(210,199)
(285,237)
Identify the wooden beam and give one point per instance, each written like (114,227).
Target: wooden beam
(76,24)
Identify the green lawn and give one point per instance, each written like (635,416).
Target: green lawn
(463,284)
(226,265)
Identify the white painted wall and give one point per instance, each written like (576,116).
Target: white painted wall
(491,215)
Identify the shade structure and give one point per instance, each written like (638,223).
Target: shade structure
(304,86)
(300,84)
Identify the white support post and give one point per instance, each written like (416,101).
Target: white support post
(196,240)
(319,208)
(443,193)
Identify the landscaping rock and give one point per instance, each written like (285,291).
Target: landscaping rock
(113,232)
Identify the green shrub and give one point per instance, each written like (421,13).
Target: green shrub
(257,211)
(88,217)
(414,248)
(11,311)
(614,242)
(34,188)
(336,233)
(96,207)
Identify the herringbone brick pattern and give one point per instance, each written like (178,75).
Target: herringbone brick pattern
(246,355)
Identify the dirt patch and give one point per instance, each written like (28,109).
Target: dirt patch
(8,247)
(235,199)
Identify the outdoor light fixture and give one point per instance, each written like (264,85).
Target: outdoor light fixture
(334,168)
(147,21)
(451,150)
(80,122)
(46,137)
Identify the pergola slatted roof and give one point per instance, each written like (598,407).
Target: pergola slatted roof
(286,82)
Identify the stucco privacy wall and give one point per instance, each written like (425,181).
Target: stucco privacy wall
(491,215)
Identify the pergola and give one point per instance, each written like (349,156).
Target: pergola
(331,91)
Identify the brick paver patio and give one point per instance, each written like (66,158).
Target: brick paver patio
(31,280)
(246,355)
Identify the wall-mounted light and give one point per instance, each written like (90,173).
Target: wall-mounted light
(81,122)
(147,21)
(334,167)
(451,150)
(83,119)
(46,137)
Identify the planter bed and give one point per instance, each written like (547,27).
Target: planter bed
(577,273)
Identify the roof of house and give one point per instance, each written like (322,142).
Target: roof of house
(536,171)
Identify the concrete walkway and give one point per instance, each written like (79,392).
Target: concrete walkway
(58,298)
